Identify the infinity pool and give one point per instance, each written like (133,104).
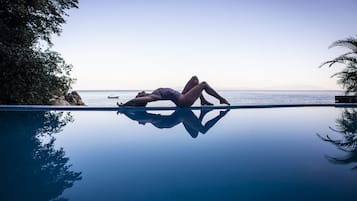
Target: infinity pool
(242,154)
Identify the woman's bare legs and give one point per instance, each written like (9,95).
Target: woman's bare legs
(192,83)
(187,99)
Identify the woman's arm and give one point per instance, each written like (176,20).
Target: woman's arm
(141,101)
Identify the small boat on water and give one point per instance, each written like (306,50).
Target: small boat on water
(113,97)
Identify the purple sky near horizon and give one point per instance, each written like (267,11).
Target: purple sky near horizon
(231,44)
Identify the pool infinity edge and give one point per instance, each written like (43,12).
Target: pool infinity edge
(96,108)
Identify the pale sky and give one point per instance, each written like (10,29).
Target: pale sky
(252,44)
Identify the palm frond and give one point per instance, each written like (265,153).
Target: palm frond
(350,43)
(348,80)
(343,59)
(348,76)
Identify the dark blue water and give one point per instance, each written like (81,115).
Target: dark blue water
(242,154)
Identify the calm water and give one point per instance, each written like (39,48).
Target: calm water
(235,97)
(242,154)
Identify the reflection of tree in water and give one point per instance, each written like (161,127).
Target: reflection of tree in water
(346,126)
(31,168)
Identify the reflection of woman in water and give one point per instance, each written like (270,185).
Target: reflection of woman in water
(192,124)
(191,92)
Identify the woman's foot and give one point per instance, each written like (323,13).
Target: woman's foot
(206,103)
(224,101)
(222,113)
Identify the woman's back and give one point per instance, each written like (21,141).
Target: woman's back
(168,94)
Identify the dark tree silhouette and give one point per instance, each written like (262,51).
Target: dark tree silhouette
(30,74)
(31,167)
(346,126)
(348,76)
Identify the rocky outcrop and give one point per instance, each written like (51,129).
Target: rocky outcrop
(59,101)
(72,98)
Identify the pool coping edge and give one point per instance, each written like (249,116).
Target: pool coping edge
(105,108)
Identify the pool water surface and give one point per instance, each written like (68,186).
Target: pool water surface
(242,154)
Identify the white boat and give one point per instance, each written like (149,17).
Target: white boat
(113,97)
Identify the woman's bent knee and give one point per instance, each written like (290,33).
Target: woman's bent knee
(204,83)
(195,79)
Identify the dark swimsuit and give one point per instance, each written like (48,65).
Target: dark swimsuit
(168,94)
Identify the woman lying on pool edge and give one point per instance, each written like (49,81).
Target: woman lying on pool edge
(191,92)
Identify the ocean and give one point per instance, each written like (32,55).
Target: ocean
(235,97)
